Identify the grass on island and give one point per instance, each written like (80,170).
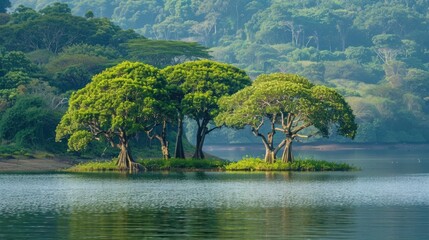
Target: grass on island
(154,165)
(94,166)
(257,164)
(247,164)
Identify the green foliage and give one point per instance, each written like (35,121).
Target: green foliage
(288,96)
(153,165)
(162,53)
(257,164)
(56,8)
(79,140)
(29,123)
(95,166)
(203,83)
(54,28)
(185,164)
(73,71)
(124,99)
(92,50)
(326,41)
(199,85)
(289,104)
(52,32)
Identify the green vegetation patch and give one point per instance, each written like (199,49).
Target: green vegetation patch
(257,164)
(188,164)
(247,164)
(153,165)
(94,166)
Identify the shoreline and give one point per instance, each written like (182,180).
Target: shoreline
(61,163)
(34,165)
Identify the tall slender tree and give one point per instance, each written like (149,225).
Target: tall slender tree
(201,84)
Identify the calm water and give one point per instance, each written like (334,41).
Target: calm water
(388,199)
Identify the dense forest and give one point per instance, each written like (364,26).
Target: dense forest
(48,54)
(374,52)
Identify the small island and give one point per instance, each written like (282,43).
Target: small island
(246,164)
(134,97)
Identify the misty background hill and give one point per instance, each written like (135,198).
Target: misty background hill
(374,52)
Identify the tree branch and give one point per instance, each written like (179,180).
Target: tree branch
(297,129)
(212,130)
(280,146)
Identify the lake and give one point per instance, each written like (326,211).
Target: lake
(387,199)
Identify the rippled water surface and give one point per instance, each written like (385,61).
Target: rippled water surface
(343,205)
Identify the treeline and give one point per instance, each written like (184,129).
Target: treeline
(46,55)
(374,52)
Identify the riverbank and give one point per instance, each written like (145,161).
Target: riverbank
(34,165)
(55,163)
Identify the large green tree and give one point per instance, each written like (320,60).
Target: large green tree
(201,84)
(164,109)
(291,105)
(118,103)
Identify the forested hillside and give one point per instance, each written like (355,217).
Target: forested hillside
(375,52)
(46,55)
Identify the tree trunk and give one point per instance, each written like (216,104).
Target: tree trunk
(287,153)
(269,155)
(201,134)
(125,159)
(164,142)
(179,152)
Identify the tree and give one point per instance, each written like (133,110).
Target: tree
(117,104)
(164,109)
(162,53)
(89,14)
(15,69)
(291,104)
(56,8)
(387,47)
(29,122)
(201,84)
(73,71)
(50,31)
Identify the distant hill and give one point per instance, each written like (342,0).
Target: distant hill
(375,52)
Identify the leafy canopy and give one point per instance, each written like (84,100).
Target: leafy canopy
(123,100)
(290,101)
(202,83)
(161,53)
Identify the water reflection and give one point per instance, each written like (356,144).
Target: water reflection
(390,203)
(243,223)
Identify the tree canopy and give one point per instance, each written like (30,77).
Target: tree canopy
(162,53)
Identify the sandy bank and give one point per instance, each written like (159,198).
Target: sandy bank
(33,165)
